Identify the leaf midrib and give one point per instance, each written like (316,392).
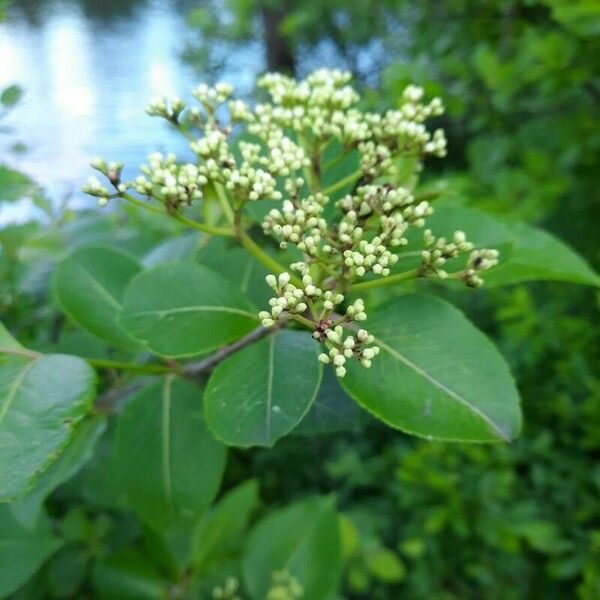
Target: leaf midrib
(166,443)
(114,302)
(270,385)
(14,388)
(187,309)
(442,387)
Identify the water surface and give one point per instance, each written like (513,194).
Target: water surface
(88,68)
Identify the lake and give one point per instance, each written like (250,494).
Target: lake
(89,68)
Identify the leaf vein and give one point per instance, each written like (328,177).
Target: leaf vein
(443,387)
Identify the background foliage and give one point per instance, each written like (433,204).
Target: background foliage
(419,519)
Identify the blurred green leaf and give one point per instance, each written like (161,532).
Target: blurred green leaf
(23,549)
(128,575)
(67,571)
(14,185)
(386,566)
(223,525)
(76,453)
(42,400)
(302,539)
(11,95)
(169,466)
(89,286)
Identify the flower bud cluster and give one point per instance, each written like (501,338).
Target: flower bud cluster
(370,257)
(93,187)
(343,347)
(166,108)
(228,591)
(172,183)
(478,261)
(438,251)
(112,171)
(212,97)
(284,586)
(321,106)
(299,224)
(290,299)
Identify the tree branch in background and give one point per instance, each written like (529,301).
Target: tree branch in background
(278,52)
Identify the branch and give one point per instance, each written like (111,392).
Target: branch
(206,365)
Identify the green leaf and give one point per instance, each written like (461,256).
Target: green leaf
(67,571)
(526,253)
(14,185)
(386,566)
(260,393)
(23,550)
(437,376)
(128,575)
(8,342)
(238,266)
(221,528)
(170,467)
(173,249)
(332,411)
(302,539)
(181,310)
(538,255)
(11,95)
(77,452)
(42,397)
(89,286)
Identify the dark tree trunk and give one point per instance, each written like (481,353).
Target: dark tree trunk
(279,54)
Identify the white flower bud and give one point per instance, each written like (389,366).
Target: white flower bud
(339,360)
(340,371)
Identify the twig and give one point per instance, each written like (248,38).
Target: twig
(206,365)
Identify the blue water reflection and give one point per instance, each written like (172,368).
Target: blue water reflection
(88,69)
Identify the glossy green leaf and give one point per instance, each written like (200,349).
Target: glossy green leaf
(260,393)
(89,287)
(437,376)
(169,465)
(221,528)
(538,255)
(22,550)
(76,453)
(173,249)
(526,253)
(181,309)
(302,539)
(42,398)
(14,184)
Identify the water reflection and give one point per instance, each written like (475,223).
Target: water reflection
(88,68)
